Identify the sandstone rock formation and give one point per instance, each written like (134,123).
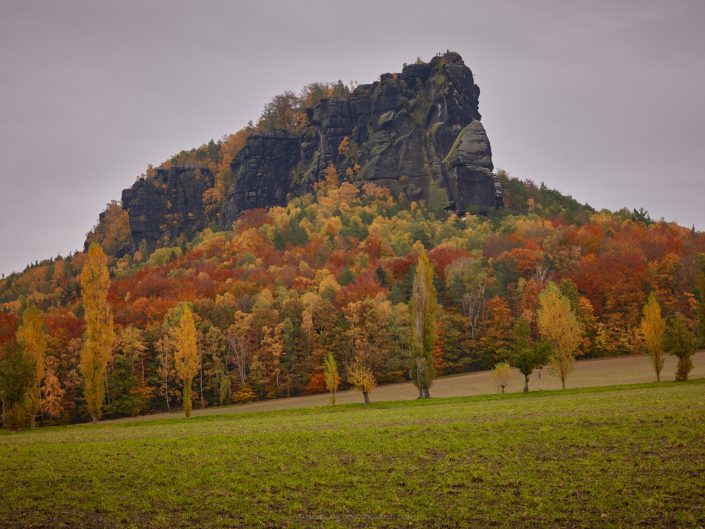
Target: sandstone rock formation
(167,204)
(417,132)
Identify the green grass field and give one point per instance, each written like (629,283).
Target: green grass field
(627,456)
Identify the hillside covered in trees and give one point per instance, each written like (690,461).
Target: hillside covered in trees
(317,263)
(332,272)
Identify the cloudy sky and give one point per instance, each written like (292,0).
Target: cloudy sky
(602,100)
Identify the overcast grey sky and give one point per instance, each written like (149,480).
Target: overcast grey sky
(603,100)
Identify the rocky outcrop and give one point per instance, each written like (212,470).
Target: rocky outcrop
(417,132)
(263,172)
(168,204)
(469,165)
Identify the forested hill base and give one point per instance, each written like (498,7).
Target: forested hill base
(320,258)
(332,271)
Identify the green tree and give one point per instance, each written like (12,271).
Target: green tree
(129,389)
(278,240)
(680,341)
(423,309)
(570,291)
(559,326)
(525,354)
(126,400)
(331,376)
(186,358)
(16,379)
(653,327)
(99,335)
(32,338)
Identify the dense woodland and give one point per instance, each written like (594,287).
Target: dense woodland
(332,273)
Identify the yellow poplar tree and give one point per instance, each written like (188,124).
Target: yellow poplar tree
(99,335)
(33,341)
(423,309)
(186,355)
(559,326)
(331,376)
(653,327)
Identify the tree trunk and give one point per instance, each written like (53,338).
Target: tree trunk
(200,375)
(94,418)
(563,380)
(658,376)
(366,397)
(187,398)
(107,387)
(683,369)
(526,383)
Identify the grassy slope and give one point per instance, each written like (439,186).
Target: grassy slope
(624,456)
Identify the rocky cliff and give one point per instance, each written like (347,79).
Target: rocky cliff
(168,204)
(417,132)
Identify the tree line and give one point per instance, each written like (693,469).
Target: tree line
(338,272)
(29,385)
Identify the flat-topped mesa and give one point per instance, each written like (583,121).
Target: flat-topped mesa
(417,132)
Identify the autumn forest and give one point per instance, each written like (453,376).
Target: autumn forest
(331,278)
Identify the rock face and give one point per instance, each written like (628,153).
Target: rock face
(417,132)
(263,173)
(168,204)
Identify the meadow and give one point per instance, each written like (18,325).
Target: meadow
(613,456)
